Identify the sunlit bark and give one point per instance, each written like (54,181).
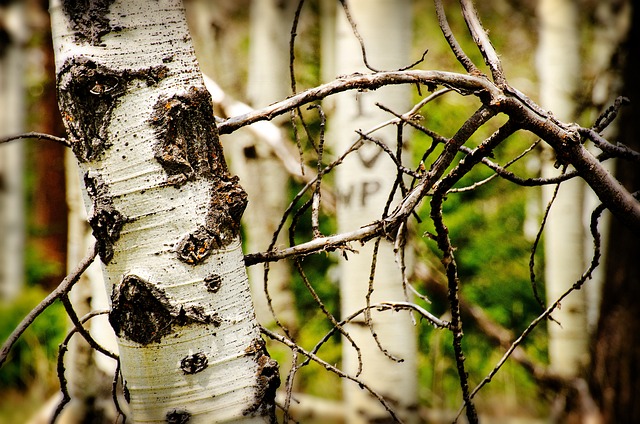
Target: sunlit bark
(165,212)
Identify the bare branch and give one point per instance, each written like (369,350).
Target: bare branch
(37,135)
(467,84)
(62,349)
(60,291)
(453,43)
(333,369)
(481,39)
(619,151)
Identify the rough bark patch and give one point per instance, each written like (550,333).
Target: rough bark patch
(188,145)
(222,223)
(268,377)
(89,19)
(143,313)
(106,222)
(188,148)
(87,94)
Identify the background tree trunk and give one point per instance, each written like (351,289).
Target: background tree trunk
(165,212)
(258,168)
(48,223)
(615,373)
(363,183)
(13,37)
(559,73)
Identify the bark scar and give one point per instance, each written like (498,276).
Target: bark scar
(106,221)
(143,313)
(268,375)
(88,93)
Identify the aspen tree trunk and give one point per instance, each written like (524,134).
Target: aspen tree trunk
(12,117)
(258,168)
(165,212)
(363,183)
(559,73)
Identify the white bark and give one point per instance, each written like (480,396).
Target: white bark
(164,211)
(559,73)
(260,171)
(363,183)
(12,117)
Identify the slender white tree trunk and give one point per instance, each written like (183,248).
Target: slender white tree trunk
(559,74)
(165,212)
(12,117)
(363,183)
(259,169)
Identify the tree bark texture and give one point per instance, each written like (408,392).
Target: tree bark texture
(615,369)
(165,212)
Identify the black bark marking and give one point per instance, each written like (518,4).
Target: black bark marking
(228,202)
(87,95)
(188,148)
(222,223)
(195,363)
(213,283)
(178,417)
(89,18)
(188,145)
(268,375)
(142,312)
(106,222)
(195,246)
(126,393)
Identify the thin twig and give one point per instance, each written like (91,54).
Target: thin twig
(451,271)
(37,135)
(451,39)
(481,39)
(62,349)
(619,150)
(335,370)
(534,247)
(83,331)
(315,206)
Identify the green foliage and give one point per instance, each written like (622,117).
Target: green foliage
(33,356)
(38,266)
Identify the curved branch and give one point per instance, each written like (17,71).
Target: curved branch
(60,291)
(618,151)
(329,367)
(467,84)
(38,135)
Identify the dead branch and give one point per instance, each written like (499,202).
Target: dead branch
(60,291)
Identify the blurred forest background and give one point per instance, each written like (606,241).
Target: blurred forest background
(493,227)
